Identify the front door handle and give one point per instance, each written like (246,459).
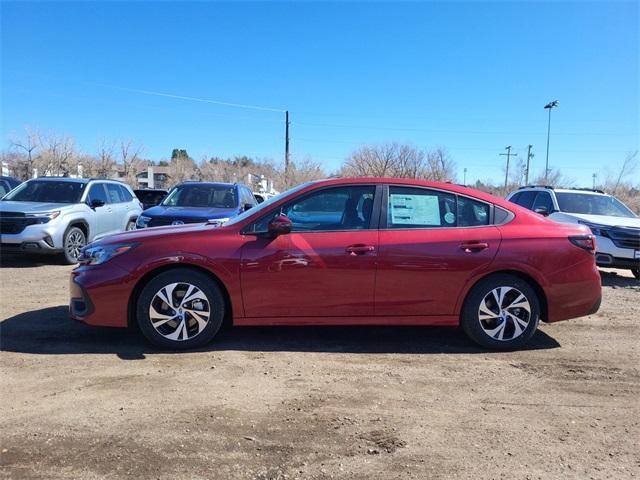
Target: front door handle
(359,249)
(470,247)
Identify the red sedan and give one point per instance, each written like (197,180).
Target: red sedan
(365,251)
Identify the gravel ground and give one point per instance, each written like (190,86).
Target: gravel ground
(314,403)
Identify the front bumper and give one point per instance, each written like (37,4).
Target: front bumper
(42,238)
(100,296)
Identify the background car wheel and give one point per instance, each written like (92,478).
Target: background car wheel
(636,272)
(131,225)
(501,312)
(74,240)
(180,309)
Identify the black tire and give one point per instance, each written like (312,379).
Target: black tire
(636,272)
(74,239)
(190,334)
(515,334)
(131,225)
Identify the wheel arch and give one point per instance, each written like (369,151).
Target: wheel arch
(146,278)
(542,297)
(81,224)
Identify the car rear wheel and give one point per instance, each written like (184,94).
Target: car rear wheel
(636,272)
(501,312)
(74,241)
(180,309)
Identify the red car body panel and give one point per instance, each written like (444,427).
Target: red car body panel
(402,277)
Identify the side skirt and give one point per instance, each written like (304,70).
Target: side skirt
(439,320)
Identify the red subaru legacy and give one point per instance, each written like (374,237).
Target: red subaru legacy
(364,251)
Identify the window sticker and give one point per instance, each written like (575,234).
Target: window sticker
(414,209)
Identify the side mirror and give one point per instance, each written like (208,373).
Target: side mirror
(96,203)
(247,206)
(542,211)
(280,225)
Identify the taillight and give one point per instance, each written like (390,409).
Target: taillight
(586,242)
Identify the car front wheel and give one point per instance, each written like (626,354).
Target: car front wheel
(180,309)
(74,241)
(501,312)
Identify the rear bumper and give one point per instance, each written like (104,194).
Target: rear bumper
(574,292)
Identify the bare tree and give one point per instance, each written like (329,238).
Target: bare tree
(440,166)
(300,171)
(28,144)
(129,157)
(105,159)
(56,155)
(182,167)
(400,160)
(628,167)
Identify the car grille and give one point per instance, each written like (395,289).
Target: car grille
(14,222)
(624,237)
(163,221)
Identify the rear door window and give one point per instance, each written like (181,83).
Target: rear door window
(472,213)
(410,207)
(124,193)
(113,191)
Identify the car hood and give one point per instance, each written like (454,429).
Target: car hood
(31,207)
(205,213)
(145,234)
(607,220)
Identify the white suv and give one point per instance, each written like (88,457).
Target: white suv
(62,215)
(616,227)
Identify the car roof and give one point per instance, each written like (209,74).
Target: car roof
(208,184)
(451,187)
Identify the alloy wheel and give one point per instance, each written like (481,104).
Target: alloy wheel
(504,313)
(75,242)
(179,311)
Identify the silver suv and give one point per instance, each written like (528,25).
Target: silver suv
(616,227)
(62,215)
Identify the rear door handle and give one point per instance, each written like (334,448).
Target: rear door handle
(469,247)
(359,249)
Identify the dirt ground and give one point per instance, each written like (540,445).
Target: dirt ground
(314,403)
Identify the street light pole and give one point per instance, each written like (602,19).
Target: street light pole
(549,106)
(465,177)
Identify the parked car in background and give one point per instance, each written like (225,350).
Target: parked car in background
(616,227)
(150,197)
(261,196)
(199,202)
(364,251)
(60,215)
(7,184)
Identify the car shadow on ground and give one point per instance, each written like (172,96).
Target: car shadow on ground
(613,279)
(29,261)
(50,331)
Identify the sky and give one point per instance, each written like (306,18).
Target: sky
(472,77)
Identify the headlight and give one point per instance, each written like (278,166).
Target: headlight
(217,221)
(600,230)
(44,217)
(95,255)
(142,221)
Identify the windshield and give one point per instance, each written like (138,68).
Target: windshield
(212,196)
(590,204)
(47,191)
(266,204)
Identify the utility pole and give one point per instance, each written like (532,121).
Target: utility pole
(594,180)
(549,106)
(508,155)
(529,157)
(286,147)
(464,182)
